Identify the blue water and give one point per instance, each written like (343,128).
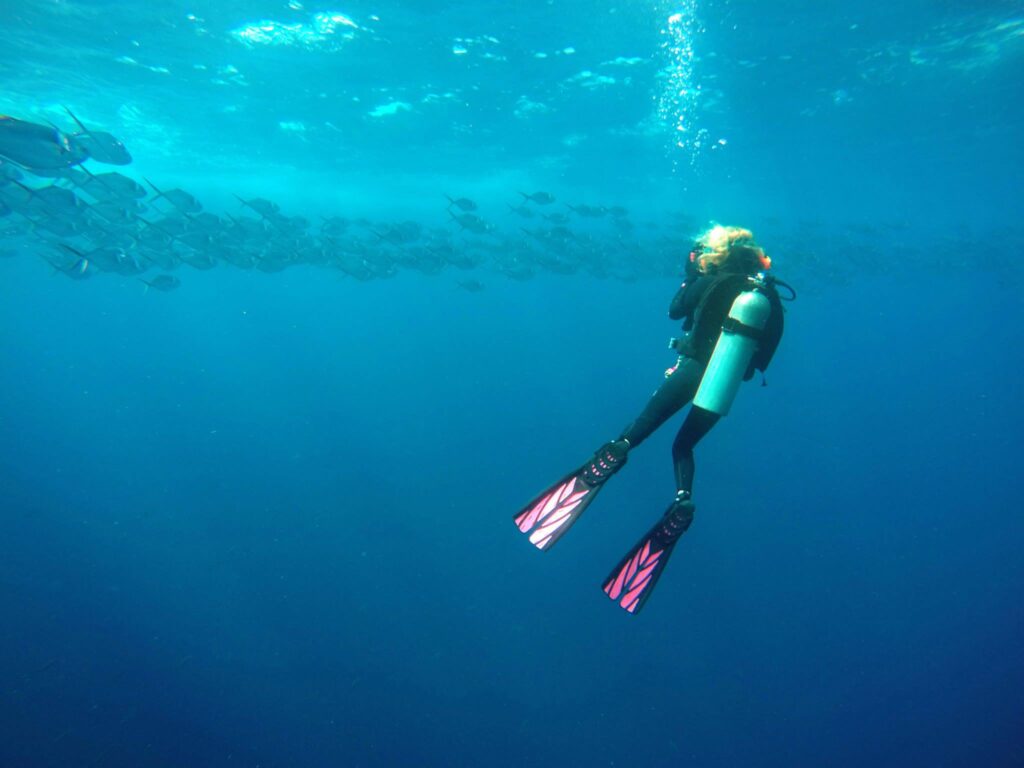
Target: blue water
(265,519)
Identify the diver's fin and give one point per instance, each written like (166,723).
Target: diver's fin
(632,581)
(550,514)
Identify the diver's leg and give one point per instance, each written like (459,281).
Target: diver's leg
(675,392)
(698,423)
(631,581)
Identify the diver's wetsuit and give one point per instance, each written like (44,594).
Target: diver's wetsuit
(678,389)
(681,384)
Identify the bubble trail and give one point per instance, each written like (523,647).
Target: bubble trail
(679,98)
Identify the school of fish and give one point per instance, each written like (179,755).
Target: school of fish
(56,203)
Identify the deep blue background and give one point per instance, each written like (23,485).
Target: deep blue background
(266,519)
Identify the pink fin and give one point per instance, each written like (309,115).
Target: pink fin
(614,588)
(542,508)
(628,586)
(632,597)
(546,519)
(526,520)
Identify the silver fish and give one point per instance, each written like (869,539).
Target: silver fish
(463,204)
(37,147)
(540,198)
(101,146)
(162,283)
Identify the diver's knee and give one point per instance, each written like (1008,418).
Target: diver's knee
(681,449)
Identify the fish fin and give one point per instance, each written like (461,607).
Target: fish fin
(159,229)
(155,189)
(145,283)
(75,251)
(92,177)
(77,121)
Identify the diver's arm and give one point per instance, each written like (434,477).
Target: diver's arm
(686,298)
(676,309)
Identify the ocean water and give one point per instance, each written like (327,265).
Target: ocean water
(264,519)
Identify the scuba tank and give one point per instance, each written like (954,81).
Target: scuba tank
(736,345)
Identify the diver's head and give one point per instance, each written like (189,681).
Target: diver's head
(728,249)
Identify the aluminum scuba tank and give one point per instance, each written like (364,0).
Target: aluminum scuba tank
(733,351)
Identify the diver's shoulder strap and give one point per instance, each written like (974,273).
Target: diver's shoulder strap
(736,282)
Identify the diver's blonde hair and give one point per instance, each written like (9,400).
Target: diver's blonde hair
(731,249)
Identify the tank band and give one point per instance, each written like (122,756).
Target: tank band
(732,325)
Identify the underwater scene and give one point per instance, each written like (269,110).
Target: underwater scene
(322,322)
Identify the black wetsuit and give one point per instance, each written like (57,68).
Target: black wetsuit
(702,304)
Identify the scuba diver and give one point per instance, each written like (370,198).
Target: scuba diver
(732,323)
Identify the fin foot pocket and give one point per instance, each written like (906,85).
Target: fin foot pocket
(608,460)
